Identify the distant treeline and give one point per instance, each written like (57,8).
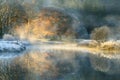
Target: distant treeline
(82,13)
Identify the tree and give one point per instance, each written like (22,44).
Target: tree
(60,22)
(50,23)
(11,14)
(100,34)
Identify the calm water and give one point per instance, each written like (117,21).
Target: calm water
(38,63)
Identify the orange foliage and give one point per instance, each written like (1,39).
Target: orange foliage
(50,22)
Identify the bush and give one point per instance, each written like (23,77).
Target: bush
(110,45)
(100,34)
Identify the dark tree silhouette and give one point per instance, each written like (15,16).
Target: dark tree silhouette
(11,14)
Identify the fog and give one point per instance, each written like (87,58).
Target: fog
(85,13)
(52,31)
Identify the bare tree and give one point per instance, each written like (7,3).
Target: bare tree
(11,14)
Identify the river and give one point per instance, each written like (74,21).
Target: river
(57,61)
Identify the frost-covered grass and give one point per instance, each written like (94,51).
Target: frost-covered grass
(110,45)
(100,46)
(11,46)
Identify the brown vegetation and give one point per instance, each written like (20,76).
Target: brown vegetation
(103,46)
(51,23)
(110,45)
(100,34)
(11,14)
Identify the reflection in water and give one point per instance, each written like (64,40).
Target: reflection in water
(59,65)
(108,62)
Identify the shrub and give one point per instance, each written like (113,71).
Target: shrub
(110,45)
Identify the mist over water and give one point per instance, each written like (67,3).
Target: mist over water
(59,61)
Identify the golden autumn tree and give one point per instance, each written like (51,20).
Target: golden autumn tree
(50,23)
